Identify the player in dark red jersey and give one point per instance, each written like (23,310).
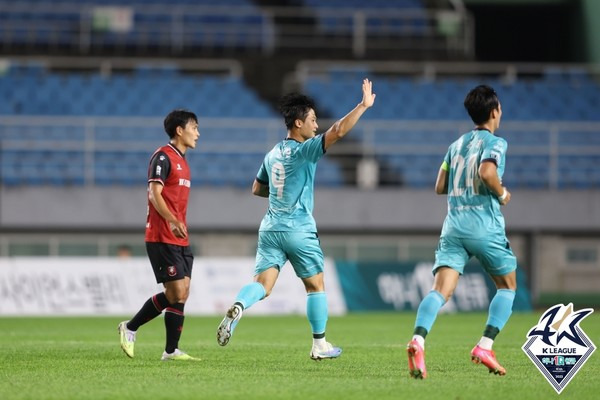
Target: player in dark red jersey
(166,235)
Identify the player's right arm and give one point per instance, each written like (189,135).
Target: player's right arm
(488,172)
(441,183)
(260,186)
(343,125)
(158,172)
(260,189)
(160,205)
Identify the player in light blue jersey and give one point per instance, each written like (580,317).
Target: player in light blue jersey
(288,230)
(471,177)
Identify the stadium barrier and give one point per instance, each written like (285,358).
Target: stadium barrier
(401,286)
(74,286)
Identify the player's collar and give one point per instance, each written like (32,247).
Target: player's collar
(477,128)
(176,149)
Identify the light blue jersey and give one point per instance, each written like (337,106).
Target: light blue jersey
(473,210)
(289,170)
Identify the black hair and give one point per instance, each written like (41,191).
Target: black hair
(295,106)
(177,118)
(480,102)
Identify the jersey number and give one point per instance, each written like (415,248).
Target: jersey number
(471,177)
(278,178)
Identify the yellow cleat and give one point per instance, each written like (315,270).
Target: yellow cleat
(127,339)
(177,355)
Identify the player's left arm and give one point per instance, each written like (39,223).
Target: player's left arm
(488,172)
(343,125)
(260,189)
(491,158)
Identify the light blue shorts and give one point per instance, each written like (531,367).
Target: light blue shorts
(495,255)
(303,249)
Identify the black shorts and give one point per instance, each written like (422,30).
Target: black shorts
(170,262)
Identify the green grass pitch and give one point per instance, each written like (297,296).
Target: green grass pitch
(267,358)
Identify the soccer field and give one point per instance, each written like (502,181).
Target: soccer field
(267,358)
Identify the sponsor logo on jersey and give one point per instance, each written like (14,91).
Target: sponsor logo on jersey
(184,182)
(557,345)
(179,167)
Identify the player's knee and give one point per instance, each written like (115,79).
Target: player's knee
(177,296)
(507,284)
(445,292)
(447,295)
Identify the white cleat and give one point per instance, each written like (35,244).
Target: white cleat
(226,327)
(328,351)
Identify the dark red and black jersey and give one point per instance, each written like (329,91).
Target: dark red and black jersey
(168,167)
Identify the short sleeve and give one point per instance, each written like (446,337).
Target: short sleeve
(262,176)
(495,151)
(447,160)
(313,149)
(159,168)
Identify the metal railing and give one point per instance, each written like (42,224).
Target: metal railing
(371,139)
(175,29)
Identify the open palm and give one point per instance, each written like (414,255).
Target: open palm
(368,95)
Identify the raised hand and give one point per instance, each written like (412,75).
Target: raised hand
(368,95)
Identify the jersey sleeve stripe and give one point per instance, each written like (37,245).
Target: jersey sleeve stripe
(323,144)
(491,160)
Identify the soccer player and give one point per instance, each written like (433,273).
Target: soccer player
(166,238)
(288,230)
(471,177)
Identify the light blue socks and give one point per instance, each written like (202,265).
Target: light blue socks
(501,308)
(250,294)
(428,310)
(316,311)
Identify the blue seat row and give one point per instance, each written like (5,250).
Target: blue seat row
(138,94)
(68,167)
(64,168)
(381,17)
(405,98)
(45,23)
(32,90)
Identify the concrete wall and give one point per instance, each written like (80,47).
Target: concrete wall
(238,210)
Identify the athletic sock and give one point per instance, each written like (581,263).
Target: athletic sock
(151,309)
(500,308)
(420,339)
(427,312)
(317,313)
(485,343)
(174,325)
(250,294)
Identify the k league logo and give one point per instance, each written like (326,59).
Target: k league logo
(558,346)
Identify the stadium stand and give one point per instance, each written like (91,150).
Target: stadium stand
(140,25)
(526,100)
(409,158)
(399,17)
